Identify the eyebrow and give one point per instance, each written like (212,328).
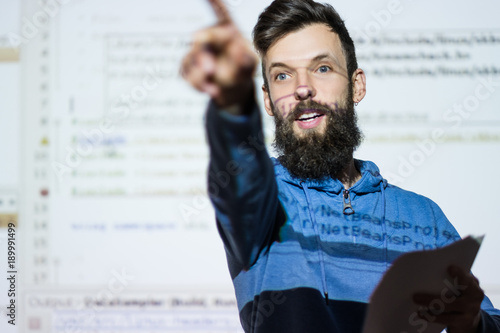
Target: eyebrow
(321,57)
(317,58)
(326,56)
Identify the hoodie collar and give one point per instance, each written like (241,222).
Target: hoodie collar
(370,181)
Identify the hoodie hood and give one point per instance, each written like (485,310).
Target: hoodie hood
(371,179)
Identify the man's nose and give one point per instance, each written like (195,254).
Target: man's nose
(304,89)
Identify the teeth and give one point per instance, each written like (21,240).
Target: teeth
(308,115)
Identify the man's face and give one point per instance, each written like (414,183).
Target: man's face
(311,98)
(304,66)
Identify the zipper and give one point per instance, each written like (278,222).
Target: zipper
(348,210)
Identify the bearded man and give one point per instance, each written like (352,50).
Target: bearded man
(308,235)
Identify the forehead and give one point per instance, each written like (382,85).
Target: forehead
(304,45)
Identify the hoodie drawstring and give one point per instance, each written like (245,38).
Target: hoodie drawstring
(384,228)
(318,240)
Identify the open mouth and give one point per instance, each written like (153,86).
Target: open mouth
(309,115)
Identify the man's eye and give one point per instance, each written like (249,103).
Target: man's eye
(324,69)
(281,76)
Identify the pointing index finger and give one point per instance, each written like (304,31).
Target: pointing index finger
(220,11)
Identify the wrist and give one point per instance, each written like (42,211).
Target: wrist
(238,105)
(476,326)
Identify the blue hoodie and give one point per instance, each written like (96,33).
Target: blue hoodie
(305,256)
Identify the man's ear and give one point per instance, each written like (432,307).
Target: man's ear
(267,101)
(358,85)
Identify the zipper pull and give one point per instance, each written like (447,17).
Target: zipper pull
(348,210)
(326,298)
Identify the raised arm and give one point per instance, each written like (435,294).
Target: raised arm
(241,181)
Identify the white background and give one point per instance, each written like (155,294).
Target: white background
(160,228)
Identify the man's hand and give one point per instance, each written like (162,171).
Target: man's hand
(221,62)
(458,307)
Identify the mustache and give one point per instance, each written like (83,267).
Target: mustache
(311,106)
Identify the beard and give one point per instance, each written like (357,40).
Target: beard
(313,155)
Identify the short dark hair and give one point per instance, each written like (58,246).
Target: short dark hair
(285,16)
